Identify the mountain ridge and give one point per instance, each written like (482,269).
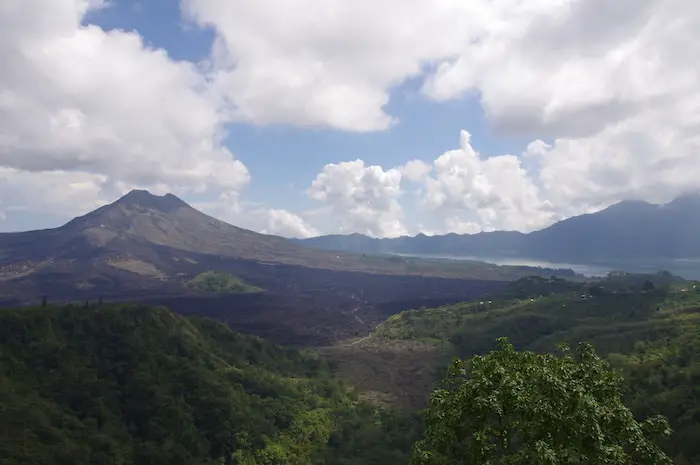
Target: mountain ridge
(629,230)
(145,244)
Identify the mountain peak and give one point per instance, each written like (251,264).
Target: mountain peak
(143,198)
(689,201)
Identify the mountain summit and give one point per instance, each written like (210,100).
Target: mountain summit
(138,241)
(144,199)
(142,218)
(122,214)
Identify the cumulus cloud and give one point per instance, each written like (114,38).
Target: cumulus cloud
(258,217)
(549,182)
(608,92)
(54,192)
(474,193)
(334,64)
(286,224)
(464,191)
(362,198)
(570,68)
(547,65)
(102,111)
(612,87)
(415,170)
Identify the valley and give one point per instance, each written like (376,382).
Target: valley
(348,346)
(359,388)
(652,336)
(259,232)
(303,306)
(149,248)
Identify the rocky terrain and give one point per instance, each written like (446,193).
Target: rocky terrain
(148,248)
(143,242)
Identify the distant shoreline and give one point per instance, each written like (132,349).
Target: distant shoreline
(688,268)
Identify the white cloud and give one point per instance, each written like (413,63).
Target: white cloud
(472,193)
(55,193)
(257,217)
(456,225)
(330,63)
(415,170)
(362,198)
(80,103)
(286,224)
(613,87)
(554,65)
(576,66)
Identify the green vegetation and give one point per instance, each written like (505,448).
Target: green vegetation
(521,408)
(444,267)
(122,384)
(220,282)
(651,335)
(140,385)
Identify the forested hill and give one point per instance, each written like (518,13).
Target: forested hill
(140,385)
(125,384)
(647,326)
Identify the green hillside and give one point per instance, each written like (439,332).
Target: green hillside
(140,385)
(219,282)
(650,333)
(125,384)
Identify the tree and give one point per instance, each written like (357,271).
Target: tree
(511,407)
(43,301)
(595,291)
(648,286)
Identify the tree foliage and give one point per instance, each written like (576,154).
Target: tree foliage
(121,384)
(220,282)
(510,407)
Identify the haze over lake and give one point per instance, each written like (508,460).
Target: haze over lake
(688,268)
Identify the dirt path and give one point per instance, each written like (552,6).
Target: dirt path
(352,343)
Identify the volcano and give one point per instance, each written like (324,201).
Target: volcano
(140,241)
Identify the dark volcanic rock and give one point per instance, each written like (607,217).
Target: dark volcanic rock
(146,247)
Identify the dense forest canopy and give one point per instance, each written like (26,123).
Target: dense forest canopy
(652,336)
(133,384)
(140,385)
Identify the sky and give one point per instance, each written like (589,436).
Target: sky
(382,117)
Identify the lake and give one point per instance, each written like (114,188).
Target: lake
(687,268)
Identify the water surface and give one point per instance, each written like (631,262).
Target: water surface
(688,268)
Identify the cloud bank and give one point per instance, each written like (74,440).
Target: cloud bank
(607,92)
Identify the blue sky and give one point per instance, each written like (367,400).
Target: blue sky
(581,114)
(283,159)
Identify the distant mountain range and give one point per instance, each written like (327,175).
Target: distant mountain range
(627,231)
(144,244)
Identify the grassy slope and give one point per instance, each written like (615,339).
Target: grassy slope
(220,282)
(139,385)
(653,336)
